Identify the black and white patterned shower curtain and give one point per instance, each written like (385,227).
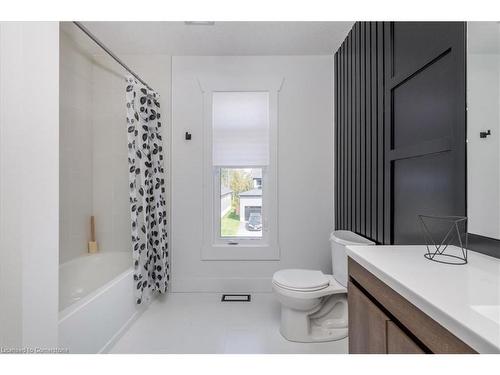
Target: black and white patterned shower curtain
(147,192)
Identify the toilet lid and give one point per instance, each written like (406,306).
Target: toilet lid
(307,280)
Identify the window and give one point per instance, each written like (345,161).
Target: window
(240,146)
(240,203)
(240,207)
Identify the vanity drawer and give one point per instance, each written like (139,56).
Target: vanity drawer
(399,342)
(367,324)
(372,332)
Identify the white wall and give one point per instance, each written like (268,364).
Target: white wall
(110,152)
(110,204)
(94,166)
(483,154)
(29,183)
(75,147)
(305,166)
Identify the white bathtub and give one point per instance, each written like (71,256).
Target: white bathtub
(96,301)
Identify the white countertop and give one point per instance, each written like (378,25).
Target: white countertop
(465,299)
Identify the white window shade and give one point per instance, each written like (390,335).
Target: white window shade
(240,128)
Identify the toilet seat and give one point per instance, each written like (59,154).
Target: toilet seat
(332,288)
(301,280)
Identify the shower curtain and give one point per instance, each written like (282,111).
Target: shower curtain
(147,192)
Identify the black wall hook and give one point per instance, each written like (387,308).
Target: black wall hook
(485,134)
(188,136)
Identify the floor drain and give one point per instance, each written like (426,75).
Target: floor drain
(236,298)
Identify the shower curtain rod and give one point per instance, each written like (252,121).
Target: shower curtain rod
(110,53)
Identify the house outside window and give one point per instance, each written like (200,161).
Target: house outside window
(257,178)
(243,218)
(226,196)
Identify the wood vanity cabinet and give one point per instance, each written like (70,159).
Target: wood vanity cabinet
(367,324)
(399,342)
(381,321)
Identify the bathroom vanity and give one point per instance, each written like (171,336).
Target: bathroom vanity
(400,302)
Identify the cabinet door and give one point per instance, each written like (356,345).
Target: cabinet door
(399,342)
(367,324)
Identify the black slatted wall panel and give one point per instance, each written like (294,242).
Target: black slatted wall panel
(399,127)
(359,131)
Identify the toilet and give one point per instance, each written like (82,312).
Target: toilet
(314,305)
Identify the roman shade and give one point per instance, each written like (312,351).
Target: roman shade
(240,129)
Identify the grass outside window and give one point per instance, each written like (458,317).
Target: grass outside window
(230,223)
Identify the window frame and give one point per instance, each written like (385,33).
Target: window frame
(266,247)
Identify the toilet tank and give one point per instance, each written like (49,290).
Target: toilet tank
(339,239)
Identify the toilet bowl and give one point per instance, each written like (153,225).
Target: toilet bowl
(314,305)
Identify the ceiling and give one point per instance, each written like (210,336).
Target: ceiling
(223,38)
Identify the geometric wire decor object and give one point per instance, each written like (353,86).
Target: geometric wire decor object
(442,231)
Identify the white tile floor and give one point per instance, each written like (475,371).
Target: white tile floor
(200,323)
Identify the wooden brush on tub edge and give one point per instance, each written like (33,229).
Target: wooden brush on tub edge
(92,243)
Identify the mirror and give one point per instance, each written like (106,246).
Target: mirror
(483,128)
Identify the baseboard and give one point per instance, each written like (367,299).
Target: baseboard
(221,285)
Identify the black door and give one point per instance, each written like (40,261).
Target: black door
(425,124)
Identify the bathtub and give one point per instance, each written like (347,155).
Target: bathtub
(96,301)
